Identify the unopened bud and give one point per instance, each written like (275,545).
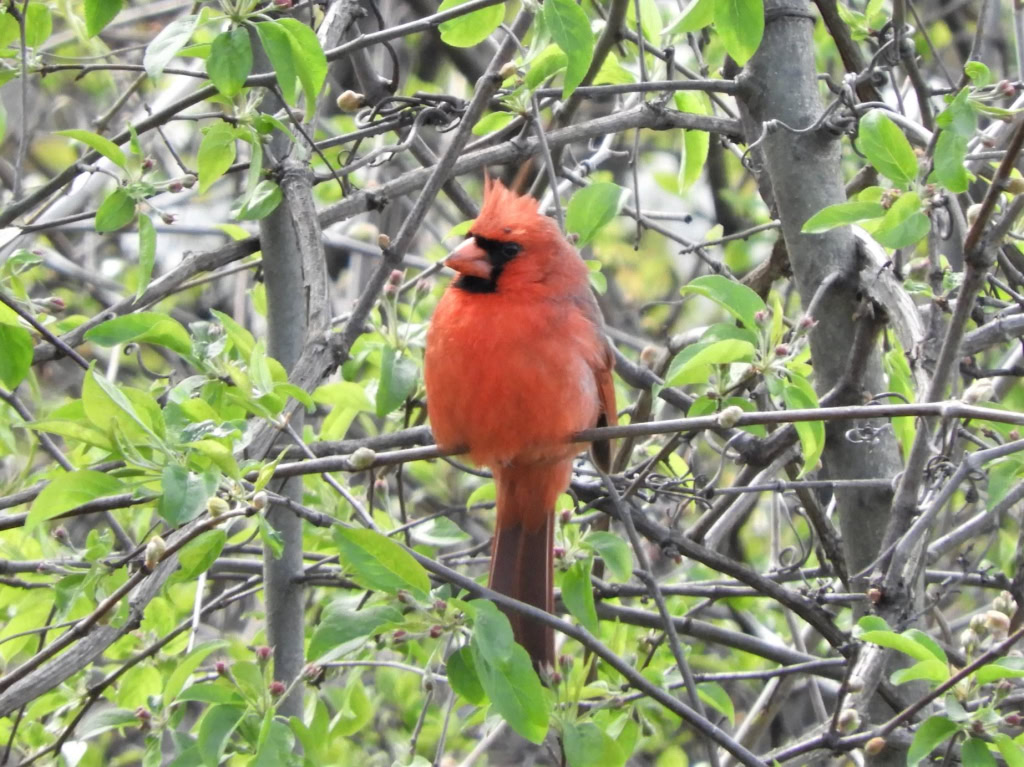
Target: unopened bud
(782,350)
(968,639)
(972,213)
(350,101)
(188,181)
(263,653)
(508,69)
(1006,88)
(440,605)
(573,237)
(284,5)
(60,533)
(217,506)
(981,390)
(998,623)
(558,551)
(849,720)
(556,677)
(648,356)
(277,688)
(1012,719)
(404,597)
(874,746)
(436,631)
(259,501)
(566,516)
(175,186)
(807,322)
(855,684)
(399,636)
(148,163)
(362,458)
(53,304)
(397,275)
(155,550)
(167,218)
(761,316)
(1015,185)
(220,667)
(977,623)
(383,241)
(730,416)
(874,595)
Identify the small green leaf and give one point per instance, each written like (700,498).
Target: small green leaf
(495,121)
(740,25)
(842,214)
(949,168)
(309,59)
(737,299)
(115,212)
(905,643)
(230,61)
(339,625)
(578,595)
(184,493)
(471,28)
(697,15)
(960,116)
(587,745)
(886,148)
(980,74)
(904,223)
(38,24)
(693,363)
(16,358)
(713,694)
(492,631)
(1012,751)
(99,13)
(928,670)
(548,62)
(147,253)
(167,43)
(98,143)
(592,207)
(1003,668)
(615,552)
(695,143)
(929,735)
(799,395)
(278,46)
(377,562)
(199,554)
(261,203)
(398,379)
(570,29)
(183,668)
(463,678)
(67,491)
(142,327)
(215,730)
(216,153)
(975,753)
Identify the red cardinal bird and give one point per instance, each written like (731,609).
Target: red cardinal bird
(515,364)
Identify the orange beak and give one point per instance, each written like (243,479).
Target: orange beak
(469,258)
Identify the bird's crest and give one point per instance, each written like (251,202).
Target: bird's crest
(506,215)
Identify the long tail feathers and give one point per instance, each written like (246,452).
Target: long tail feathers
(521,557)
(521,568)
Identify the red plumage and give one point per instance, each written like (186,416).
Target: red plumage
(515,364)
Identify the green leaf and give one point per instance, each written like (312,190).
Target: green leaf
(695,143)
(184,667)
(579,596)
(1004,668)
(929,735)
(398,379)
(960,116)
(339,625)
(587,745)
(99,13)
(493,632)
(886,148)
(508,678)
(1012,751)
(377,562)
(980,74)
(216,153)
(278,45)
(905,643)
(167,43)
(714,695)
(147,253)
(592,207)
(740,25)
(199,554)
(230,61)
(16,358)
(309,59)
(265,198)
(472,28)
(67,491)
(929,670)
(692,364)
(462,676)
(975,753)
(271,539)
(495,121)
(98,143)
(697,15)
(926,641)
(799,395)
(115,212)
(184,493)
(842,214)
(737,299)
(904,223)
(215,730)
(650,19)
(949,169)
(142,327)
(570,29)
(615,552)
(38,24)
(548,62)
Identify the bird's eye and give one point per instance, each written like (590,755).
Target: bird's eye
(510,250)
